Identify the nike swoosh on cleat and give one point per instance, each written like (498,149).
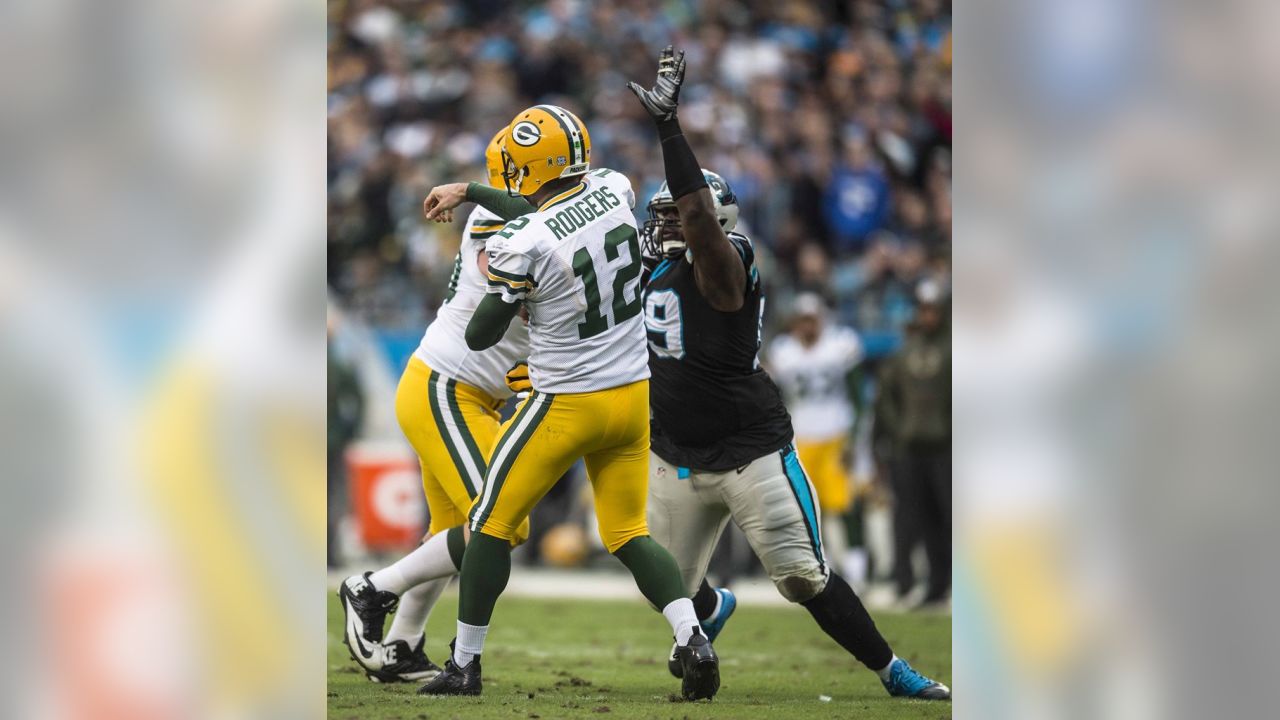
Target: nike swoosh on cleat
(352,618)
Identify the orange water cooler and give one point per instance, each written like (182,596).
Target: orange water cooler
(386,496)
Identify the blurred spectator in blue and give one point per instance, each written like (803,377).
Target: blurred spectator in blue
(857,197)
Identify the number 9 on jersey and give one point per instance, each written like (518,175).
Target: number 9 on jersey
(664,323)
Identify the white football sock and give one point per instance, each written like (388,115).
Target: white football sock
(469,644)
(683,619)
(415,607)
(429,561)
(884,671)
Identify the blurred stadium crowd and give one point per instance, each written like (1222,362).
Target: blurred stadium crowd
(831,120)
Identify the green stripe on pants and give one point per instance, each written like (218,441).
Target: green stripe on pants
(451,393)
(515,439)
(433,387)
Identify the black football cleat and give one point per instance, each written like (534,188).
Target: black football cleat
(700,668)
(404,664)
(712,627)
(366,610)
(454,680)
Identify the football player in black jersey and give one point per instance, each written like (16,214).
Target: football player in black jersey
(721,436)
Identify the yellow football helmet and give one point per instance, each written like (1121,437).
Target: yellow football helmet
(543,143)
(493,159)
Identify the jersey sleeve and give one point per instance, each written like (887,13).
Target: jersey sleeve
(747,252)
(851,350)
(618,183)
(511,265)
(481,225)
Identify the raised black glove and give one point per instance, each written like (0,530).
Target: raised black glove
(660,102)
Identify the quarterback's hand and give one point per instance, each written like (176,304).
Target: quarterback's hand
(442,200)
(518,379)
(660,102)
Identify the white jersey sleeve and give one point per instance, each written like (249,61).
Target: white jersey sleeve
(511,263)
(847,349)
(619,183)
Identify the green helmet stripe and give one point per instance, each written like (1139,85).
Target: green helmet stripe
(571,131)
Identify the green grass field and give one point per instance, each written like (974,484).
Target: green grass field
(558,658)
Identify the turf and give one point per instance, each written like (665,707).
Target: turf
(559,658)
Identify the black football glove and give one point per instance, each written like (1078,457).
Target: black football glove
(661,101)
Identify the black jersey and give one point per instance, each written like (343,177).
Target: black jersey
(714,408)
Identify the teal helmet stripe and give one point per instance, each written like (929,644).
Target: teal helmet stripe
(572,130)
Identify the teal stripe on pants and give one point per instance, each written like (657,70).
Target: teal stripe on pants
(804,496)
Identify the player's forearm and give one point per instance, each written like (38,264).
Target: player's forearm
(498,202)
(717,267)
(489,322)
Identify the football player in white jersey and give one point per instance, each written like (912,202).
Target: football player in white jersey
(573,264)
(817,365)
(447,405)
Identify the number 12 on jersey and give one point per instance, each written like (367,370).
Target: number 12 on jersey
(594,322)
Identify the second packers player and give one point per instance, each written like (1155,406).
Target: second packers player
(574,264)
(447,405)
(721,435)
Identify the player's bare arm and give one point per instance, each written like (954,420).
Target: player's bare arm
(718,269)
(442,200)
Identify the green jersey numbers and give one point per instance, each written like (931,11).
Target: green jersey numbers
(664,323)
(594,321)
(513,226)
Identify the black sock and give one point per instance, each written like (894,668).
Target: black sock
(841,615)
(704,601)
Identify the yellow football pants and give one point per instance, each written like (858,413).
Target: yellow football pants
(452,426)
(609,429)
(824,462)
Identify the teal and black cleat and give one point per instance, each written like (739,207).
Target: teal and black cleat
(712,627)
(728,603)
(904,681)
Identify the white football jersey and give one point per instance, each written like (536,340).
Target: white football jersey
(813,381)
(444,345)
(575,263)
